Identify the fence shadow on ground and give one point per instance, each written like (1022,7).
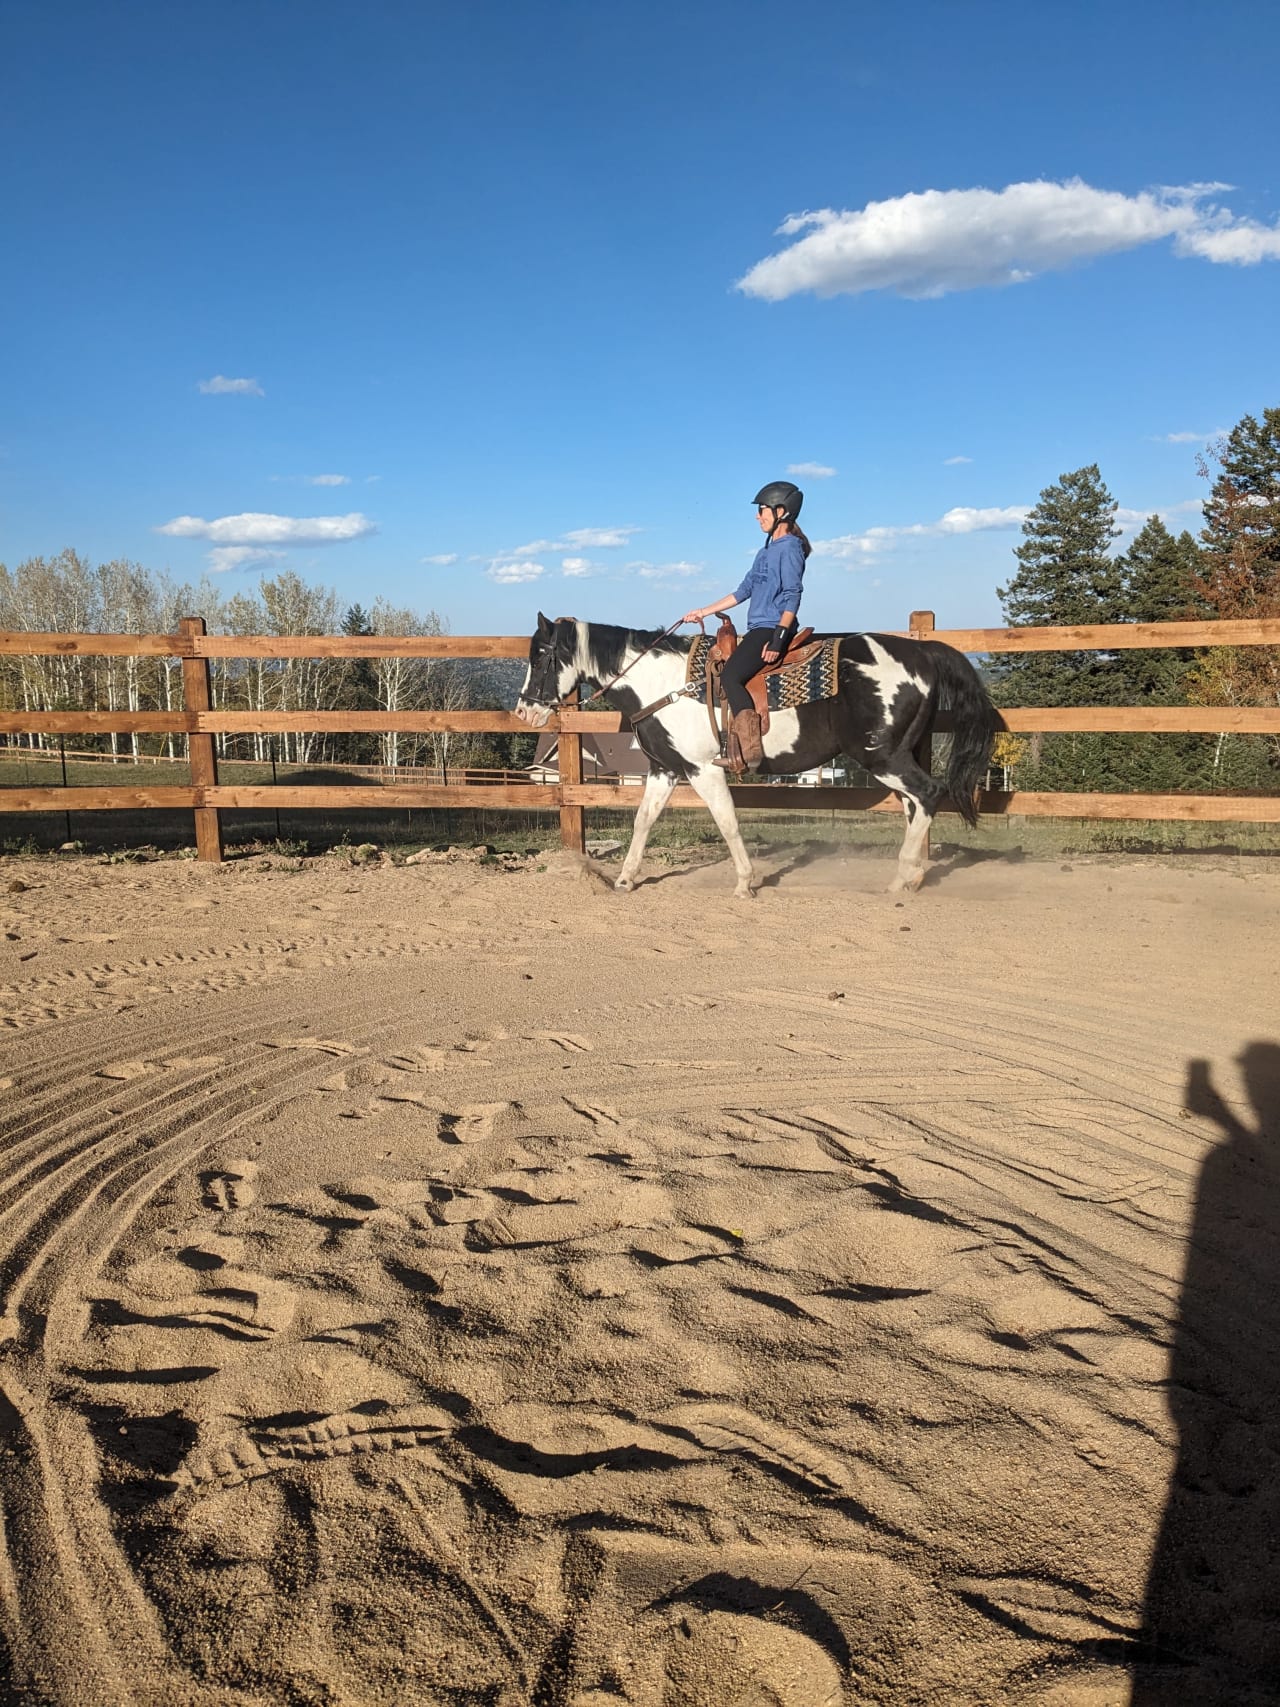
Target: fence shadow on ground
(1211,1626)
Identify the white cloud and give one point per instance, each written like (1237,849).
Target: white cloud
(955,461)
(1128,520)
(221,386)
(578,566)
(326,479)
(512,574)
(665,571)
(599,538)
(256,529)
(871,542)
(577,539)
(966,520)
(1187,438)
(442,559)
(813,470)
(928,243)
(227,557)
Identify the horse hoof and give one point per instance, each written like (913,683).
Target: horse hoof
(623,885)
(906,885)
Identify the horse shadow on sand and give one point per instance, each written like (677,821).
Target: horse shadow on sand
(1211,1619)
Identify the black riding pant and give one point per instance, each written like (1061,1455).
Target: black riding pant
(745,662)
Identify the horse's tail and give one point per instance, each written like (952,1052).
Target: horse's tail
(975,720)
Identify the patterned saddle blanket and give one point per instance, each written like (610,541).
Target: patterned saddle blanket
(815,674)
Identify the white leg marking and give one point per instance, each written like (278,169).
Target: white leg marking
(713,787)
(910,874)
(657,792)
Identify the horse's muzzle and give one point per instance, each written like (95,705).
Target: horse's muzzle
(536,716)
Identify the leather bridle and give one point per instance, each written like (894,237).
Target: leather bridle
(562,700)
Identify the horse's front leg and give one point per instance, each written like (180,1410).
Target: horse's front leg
(657,792)
(713,787)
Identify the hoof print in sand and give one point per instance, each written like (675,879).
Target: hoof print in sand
(128,1070)
(232,1186)
(476,1121)
(325,1045)
(728,1656)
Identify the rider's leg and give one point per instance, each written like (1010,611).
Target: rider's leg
(744,663)
(746,660)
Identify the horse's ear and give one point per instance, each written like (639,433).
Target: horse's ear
(544,627)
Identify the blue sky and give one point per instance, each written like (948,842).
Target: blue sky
(501,272)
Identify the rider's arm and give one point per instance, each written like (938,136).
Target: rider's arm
(792,575)
(726,603)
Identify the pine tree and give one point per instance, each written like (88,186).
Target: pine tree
(358,692)
(1066,576)
(1242,516)
(1240,578)
(1159,576)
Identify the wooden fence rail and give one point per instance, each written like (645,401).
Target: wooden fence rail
(206,797)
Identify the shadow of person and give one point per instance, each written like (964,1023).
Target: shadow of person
(1211,1627)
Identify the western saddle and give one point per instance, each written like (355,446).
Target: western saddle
(799,651)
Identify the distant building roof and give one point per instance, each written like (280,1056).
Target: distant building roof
(602,755)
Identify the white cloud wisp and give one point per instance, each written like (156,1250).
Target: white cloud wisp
(514,574)
(224,558)
(811,470)
(928,243)
(241,542)
(665,571)
(256,528)
(577,539)
(221,386)
(855,547)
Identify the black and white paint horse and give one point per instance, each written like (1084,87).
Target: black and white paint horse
(890,689)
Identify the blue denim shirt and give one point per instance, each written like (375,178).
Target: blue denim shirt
(773,582)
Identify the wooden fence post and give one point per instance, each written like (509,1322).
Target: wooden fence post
(201,757)
(921,626)
(573,819)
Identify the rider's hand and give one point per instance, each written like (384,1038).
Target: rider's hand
(770,654)
(693,616)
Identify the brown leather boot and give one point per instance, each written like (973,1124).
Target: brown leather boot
(746,732)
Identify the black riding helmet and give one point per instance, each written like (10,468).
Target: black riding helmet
(783,499)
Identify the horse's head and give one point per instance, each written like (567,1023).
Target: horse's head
(553,669)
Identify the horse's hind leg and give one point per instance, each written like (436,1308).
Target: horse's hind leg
(657,791)
(921,796)
(713,787)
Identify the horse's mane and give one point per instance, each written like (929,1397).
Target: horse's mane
(610,643)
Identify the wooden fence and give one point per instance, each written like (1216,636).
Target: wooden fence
(571,796)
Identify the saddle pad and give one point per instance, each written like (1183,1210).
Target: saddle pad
(799,684)
(794,684)
(696,669)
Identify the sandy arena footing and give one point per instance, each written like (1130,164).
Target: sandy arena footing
(455,1285)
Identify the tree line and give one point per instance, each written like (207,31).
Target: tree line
(67,594)
(1069,572)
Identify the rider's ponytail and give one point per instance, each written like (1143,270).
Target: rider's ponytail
(802,537)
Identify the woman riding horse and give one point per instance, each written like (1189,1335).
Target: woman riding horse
(773,584)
